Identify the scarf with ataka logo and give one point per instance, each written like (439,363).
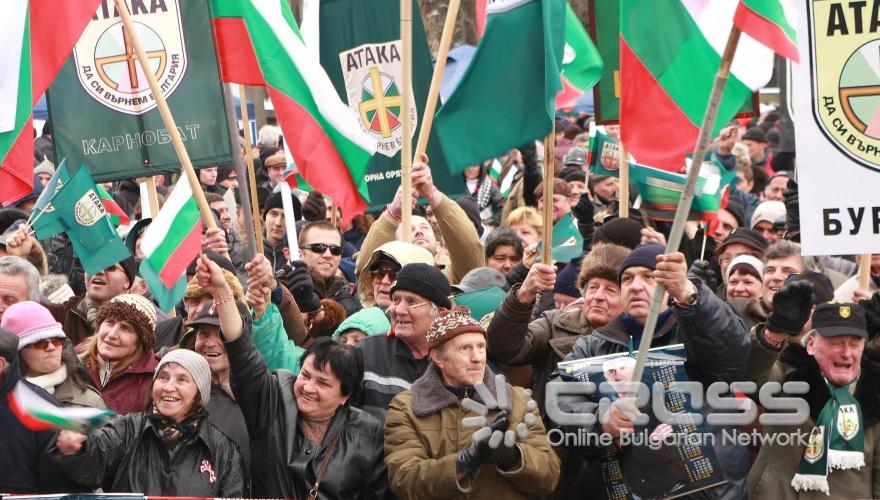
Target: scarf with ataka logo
(837,441)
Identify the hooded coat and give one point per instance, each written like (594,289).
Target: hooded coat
(424,433)
(398,251)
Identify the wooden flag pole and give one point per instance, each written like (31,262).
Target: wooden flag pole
(437,79)
(623,188)
(152,195)
(167,119)
(549,161)
(687,195)
(406,124)
(865,272)
(334,213)
(251,177)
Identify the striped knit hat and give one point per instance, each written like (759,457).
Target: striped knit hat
(450,324)
(136,310)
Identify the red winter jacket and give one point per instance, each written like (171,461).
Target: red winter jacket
(129,391)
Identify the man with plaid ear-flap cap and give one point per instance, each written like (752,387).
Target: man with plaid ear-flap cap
(393,362)
(836,458)
(460,461)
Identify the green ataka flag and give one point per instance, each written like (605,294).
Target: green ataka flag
(605,28)
(481,302)
(507,96)
(359,47)
(604,155)
(567,240)
(103,112)
(87,224)
(44,219)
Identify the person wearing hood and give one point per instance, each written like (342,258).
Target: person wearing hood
(365,323)
(376,274)
(428,459)
(169,450)
(45,360)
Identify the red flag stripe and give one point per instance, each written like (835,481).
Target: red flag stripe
(764,31)
(182,257)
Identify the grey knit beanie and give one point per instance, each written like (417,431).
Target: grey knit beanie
(195,364)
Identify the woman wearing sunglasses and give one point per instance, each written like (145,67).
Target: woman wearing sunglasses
(44,360)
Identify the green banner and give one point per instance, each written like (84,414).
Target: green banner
(103,112)
(605,29)
(360,50)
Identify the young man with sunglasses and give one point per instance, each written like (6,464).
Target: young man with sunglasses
(320,245)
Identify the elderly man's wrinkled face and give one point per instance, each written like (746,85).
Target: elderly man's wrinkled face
(606,188)
(775,190)
(209,345)
(601,301)
(422,234)
(411,315)
(839,358)
(383,275)
(13,289)
(462,359)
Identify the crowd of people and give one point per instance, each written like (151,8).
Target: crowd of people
(354,372)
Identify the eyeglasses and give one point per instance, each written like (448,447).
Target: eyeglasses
(41,345)
(385,271)
(321,248)
(410,302)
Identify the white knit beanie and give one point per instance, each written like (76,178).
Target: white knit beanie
(197,367)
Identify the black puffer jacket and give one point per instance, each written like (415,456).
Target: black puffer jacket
(127,454)
(285,463)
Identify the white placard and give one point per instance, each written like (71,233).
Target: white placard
(836,90)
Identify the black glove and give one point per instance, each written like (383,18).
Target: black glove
(295,276)
(693,248)
(314,208)
(584,211)
(792,215)
(479,451)
(702,270)
(792,306)
(872,314)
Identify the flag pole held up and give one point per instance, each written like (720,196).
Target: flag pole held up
(437,79)
(865,272)
(687,195)
(254,213)
(623,188)
(167,119)
(289,220)
(406,124)
(549,161)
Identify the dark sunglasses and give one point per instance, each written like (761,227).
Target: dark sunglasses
(41,345)
(321,248)
(385,271)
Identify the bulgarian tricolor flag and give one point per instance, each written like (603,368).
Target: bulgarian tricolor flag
(258,43)
(170,243)
(116,213)
(771,22)
(669,54)
(35,39)
(37,414)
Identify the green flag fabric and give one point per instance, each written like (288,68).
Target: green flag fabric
(481,302)
(81,212)
(567,240)
(103,110)
(359,46)
(507,96)
(44,219)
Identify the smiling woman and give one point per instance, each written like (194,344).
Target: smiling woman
(133,452)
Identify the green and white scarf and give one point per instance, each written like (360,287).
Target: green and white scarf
(837,441)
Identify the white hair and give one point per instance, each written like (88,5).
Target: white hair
(13,265)
(268,135)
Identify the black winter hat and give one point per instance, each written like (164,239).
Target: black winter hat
(755,134)
(644,255)
(833,320)
(747,237)
(8,344)
(426,281)
(621,231)
(130,268)
(274,201)
(226,172)
(735,208)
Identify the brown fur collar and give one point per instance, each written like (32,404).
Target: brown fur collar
(430,394)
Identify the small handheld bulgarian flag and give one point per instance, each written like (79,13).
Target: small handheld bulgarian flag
(37,414)
(117,214)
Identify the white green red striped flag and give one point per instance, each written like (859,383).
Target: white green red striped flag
(258,43)
(170,243)
(771,22)
(35,40)
(37,414)
(669,55)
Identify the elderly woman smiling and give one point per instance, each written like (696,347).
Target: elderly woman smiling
(170,450)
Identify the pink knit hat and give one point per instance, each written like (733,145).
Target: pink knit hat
(31,322)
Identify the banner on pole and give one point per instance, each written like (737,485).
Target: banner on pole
(103,112)
(836,90)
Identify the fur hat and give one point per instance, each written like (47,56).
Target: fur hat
(195,364)
(450,324)
(137,310)
(603,261)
